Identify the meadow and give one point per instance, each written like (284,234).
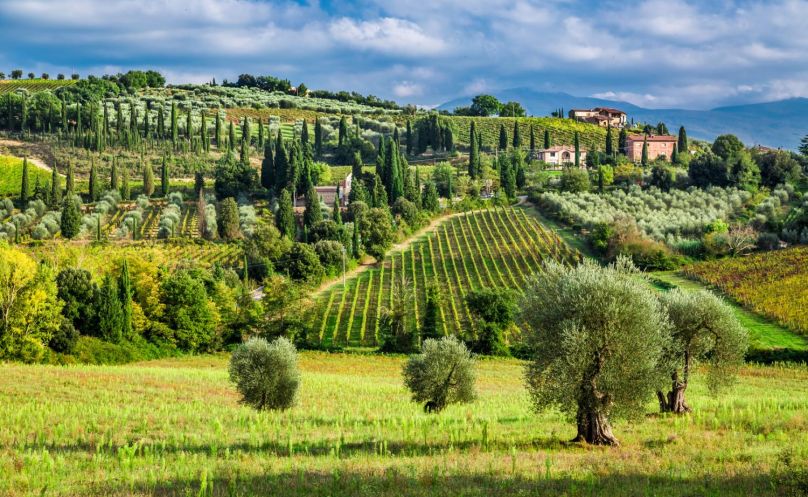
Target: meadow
(491,248)
(11,175)
(174,427)
(774,284)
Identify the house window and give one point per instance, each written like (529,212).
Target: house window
(552,154)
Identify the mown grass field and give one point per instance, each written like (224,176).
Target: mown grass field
(491,248)
(774,284)
(11,176)
(174,427)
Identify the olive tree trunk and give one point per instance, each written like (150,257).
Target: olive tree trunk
(594,428)
(674,400)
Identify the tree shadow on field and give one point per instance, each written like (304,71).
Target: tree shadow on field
(395,483)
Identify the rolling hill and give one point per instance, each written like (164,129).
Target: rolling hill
(775,124)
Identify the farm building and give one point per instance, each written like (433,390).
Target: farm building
(559,155)
(658,146)
(602,116)
(329,193)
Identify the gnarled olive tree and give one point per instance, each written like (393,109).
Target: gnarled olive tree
(704,328)
(599,337)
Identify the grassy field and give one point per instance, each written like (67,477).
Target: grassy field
(11,176)
(774,284)
(174,427)
(481,249)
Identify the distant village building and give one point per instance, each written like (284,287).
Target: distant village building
(328,193)
(602,116)
(559,155)
(658,145)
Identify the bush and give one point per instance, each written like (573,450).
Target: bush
(442,374)
(64,339)
(302,264)
(266,374)
(330,253)
(574,180)
(768,241)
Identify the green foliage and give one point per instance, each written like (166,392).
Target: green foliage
(77,291)
(228,219)
(70,223)
(285,216)
(302,264)
(441,375)
(727,145)
(233,177)
(266,374)
(109,311)
(312,213)
(190,318)
(574,180)
(376,230)
(599,336)
(429,197)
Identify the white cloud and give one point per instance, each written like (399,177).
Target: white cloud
(386,35)
(408,89)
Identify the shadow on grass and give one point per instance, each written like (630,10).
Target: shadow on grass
(395,482)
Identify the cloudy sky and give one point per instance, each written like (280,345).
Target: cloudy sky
(654,53)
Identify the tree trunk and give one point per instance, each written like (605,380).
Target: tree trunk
(594,428)
(674,401)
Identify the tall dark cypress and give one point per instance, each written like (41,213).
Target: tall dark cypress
(125,295)
(203,131)
(503,137)
(304,133)
(622,141)
(532,138)
(356,166)
(474,151)
(56,189)
(113,176)
(174,126)
(164,185)
(409,137)
(382,168)
(318,138)
(517,135)
(343,131)
(217,130)
(94,190)
(268,168)
(261,136)
(577,145)
(609,147)
(146,124)
(644,157)
(161,123)
(232,136)
(189,126)
(281,163)
(70,185)
(547,142)
(682,142)
(396,172)
(25,188)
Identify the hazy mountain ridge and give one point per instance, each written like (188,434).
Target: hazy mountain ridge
(780,123)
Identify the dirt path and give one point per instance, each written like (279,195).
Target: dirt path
(32,159)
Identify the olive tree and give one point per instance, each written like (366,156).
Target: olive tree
(442,374)
(266,373)
(704,328)
(598,335)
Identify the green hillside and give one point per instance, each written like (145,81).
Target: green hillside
(33,85)
(11,175)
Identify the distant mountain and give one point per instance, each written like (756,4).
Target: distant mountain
(774,124)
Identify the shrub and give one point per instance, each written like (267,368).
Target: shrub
(266,374)
(330,253)
(301,263)
(442,374)
(64,339)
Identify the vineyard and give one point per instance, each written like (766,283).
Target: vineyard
(33,85)
(562,131)
(480,249)
(774,284)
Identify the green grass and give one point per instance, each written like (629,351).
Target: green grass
(33,85)
(11,176)
(174,427)
(763,333)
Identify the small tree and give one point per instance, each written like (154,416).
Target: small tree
(442,374)
(704,329)
(285,215)
(148,180)
(25,187)
(71,217)
(432,323)
(598,336)
(266,374)
(228,219)
(396,329)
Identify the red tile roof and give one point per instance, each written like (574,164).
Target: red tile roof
(652,138)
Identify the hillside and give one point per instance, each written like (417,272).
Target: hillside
(775,124)
(33,85)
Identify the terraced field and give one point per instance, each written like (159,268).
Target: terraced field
(33,85)
(479,249)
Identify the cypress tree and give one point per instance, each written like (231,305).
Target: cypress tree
(56,189)
(164,185)
(355,242)
(125,295)
(199,185)
(106,120)
(246,132)
(343,131)
(382,168)
(228,219)
(313,214)
(397,174)
(503,138)
(125,192)
(148,180)
(71,187)
(517,135)
(113,175)
(432,324)
(609,148)
(174,126)
(409,138)
(474,151)
(203,131)
(318,138)
(281,161)
(94,190)
(675,154)
(25,192)
(622,141)
(161,123)
(577,144)
(146,127)
(217,130)
(285,215)
(336,212)
(507,178)
(260,133)
(267,168)
(356,166)
(118,120)
(110,312)
(304,133)
(547,142)
(189,126)
(70,223)
(644,158)
(532,138)
(244,153)
(682,142)
(232,137)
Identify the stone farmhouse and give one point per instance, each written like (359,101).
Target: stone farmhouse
(559,155)
(602,116)
(658,145)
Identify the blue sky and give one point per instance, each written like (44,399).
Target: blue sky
(653,53)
